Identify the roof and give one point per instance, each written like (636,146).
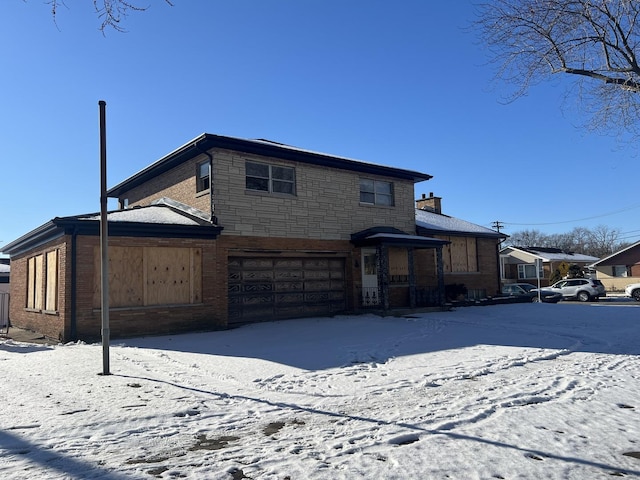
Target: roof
(431,222)
(164,219)
(548,254)
(627,256)
(207,141)
(391,236)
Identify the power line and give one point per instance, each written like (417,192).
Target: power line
(578,220)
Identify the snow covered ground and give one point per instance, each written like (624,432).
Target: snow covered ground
(525,391)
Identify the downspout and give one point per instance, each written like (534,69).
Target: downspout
(212,204)
(73,331)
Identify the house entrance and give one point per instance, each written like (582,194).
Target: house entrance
(370,290)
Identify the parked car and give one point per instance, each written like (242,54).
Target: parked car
(583,289)
(633,290)
(531,292)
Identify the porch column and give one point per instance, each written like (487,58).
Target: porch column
(412,278)
(440,270)
(383,274)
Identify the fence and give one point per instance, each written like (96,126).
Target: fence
(4,311)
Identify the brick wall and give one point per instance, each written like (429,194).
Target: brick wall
(326,205)
(162,319)
(51,324)
(487,276)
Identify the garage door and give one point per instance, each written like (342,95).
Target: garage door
(263,289)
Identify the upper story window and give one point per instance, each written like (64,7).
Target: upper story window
(376,192)
(270,178)
(203,177)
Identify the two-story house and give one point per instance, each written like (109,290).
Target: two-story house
(224,231)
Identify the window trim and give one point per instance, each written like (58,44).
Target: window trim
(522,270)
(270,179)
(201,179)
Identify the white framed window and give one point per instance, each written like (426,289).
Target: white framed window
(264,177)
(376,192)
(528,270)
(620,271)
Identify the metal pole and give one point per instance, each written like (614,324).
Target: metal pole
(104,244)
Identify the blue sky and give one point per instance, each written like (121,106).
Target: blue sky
(405,84)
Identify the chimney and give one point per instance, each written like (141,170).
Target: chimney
(431,204)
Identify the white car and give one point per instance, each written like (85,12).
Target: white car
(633,290)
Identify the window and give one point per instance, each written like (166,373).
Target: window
(621,271)
(376,192)
(42,282)
(203,177)
(461,255)
(528,270)
(270,178)
(34,282)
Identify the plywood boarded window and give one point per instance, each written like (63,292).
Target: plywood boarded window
(460,255)
(42,281)
(34,282)
(398,265)
(51,282)
(144,276)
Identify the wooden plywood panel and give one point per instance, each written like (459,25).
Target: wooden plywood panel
(458,254)
(472,255)
(125,277)
(31,275)
(38,282)
(196,275)
(398,261)
(446,256)
(167,275)
(51,291)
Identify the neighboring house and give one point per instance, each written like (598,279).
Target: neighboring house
(620,268)
(224,231)
(5,270)
(471,255)
(4,294)
(518,264)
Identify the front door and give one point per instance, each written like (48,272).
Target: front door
(370,292)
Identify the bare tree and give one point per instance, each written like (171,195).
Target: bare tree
(603,241)
(595,42)
(598,242)
(110,12)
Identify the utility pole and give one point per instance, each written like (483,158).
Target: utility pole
(104,235)
(497,225)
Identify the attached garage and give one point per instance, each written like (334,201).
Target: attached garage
(271,288)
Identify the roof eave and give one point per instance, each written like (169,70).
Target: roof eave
(207,141)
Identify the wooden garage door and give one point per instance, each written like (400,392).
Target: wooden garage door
(263,289)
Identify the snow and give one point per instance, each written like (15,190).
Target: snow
(437,221)
(158,214)
(526,391)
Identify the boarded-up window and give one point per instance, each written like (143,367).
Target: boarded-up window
(34,282)
(42,281)
(398,265)
(51,290)
(140,276)
(460,255)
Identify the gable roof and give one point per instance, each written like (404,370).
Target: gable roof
(163,219)
(548,254)
(205,142)
(627,256)
(437,223)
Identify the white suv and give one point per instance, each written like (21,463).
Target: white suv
(583,289)
(633,290)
